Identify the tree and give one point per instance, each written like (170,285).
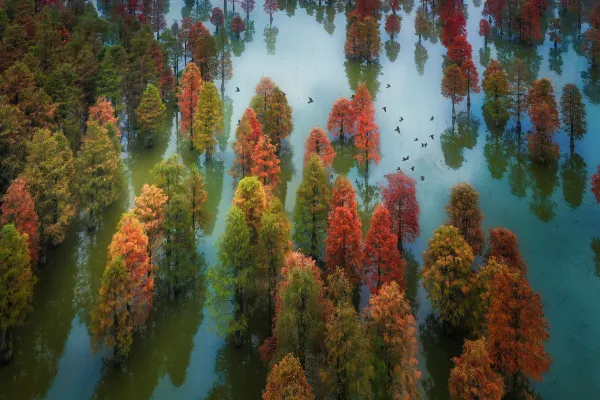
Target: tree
(555,31)
(485,30)
(518,78)
(50,176)
(591,44)
(421,23)
(99,172)
(362,102)
(472,79)
(596,184)
(169,175)
(104,115)
(151,113)
(343,246)
(196,193)
(505,249)
(454,86)
(237,26)
(131,244)
(18,209)
(341,118)
(392,25)
(343,195)
(231,276)
(16,285)
(287,381)
(473,376)
(348,372)
(318,143)
(543,113)
(573,114)
(495,86)
(517,328)
(400,198)
(111,319)
(392,329)
(310,214)
(248,7)
(187,99)
(300,309)
(203,50)
(460,50)
(447,275)
(362,37)
(271,7)
(247,134)
(273,246)
(278,118)
(217,18)
(251,199)
(149,209)
(366,139)
(464,213)
(265,164)
(382,260)
(208,119)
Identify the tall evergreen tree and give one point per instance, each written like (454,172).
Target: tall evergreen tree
(208,119)
(151,113)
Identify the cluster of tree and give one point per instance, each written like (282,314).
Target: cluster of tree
(362,31)
(520,20)
(155,239)
(493,303)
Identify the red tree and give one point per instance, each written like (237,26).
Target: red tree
(454,86)
(237,25)
(341,118)
(505,249)
(400,198)
(362,102)
(265,164)
(187,98)
(383,262)
(318,143)
(454,22)
(366,139)
(367,7)
(103,114)
(343,194)
(596,184)
(460,50)
(485,30)
(469,71)
(543,112)
(392,25)
(18,209)
(343,246)
(248,132)
(271,7)
(248,7)
(216,18)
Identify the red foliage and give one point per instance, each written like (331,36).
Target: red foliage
(460,50)
(265,164)
(247,6)
(217,18)
(469,71)
(454,22)
(517,328)
(187,98)
(343,246)
(596,184)
(400,198)
(392,25)
(383,262)
(484,28)
(318,143)
(366,139)
(18,208)
(530,27)
(343,195)
(237,25)
(341,118)
(367,7)
(362,102)
(504,248)
(103,114)
(271,7)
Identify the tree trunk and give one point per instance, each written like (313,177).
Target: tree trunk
(572,141)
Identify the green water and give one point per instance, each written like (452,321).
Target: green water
(551,210)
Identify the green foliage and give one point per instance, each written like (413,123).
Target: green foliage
(50,177)
(208,119)
(231,275)
(169,175)
(310,215)
(151,113)
(278,118)
(99,172)
(196,192)
(110,76)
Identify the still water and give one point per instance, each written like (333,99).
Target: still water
(551,210)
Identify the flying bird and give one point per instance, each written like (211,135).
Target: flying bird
(398,169)
(401,119)
(412,168)
(310,100)
(422,178)
(423,144)
(237,89)
(416,139)
(431,136)
(397,129)
(405,158)
(352,97)
(384,109)
(431,119)
(388,86)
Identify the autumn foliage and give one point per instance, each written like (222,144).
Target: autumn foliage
(237,25)
(400,198)
(454,85)
(596,184)
(341,118)
(287,381)
(247,134)
(505,249)
(318,143)
(149,209)
(343,246)
(187,98)
(464,213)
(392,25)
(104,115)
(366,139)
(543,113)
(265,163)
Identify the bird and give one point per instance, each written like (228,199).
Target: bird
(423,144)
(401,119)
(416,139)
(405,158)
(237,89)
(431,119)
(388,86)
(422,178)
(239,121)
(431,136)
(356,181)
(398,169)
(412,168)
(384,109)
(352,97)
(397,129)
(310,100)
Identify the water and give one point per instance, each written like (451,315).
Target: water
(551,210)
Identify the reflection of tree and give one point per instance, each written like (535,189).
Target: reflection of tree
(329,23)
(214,170)
(485,55)
(289,6)
(392,49)
(238,46)
(438,349)
(407,6)
(555,62)
(518,175)
(574,179)
(344,155)
(544,179)
(369,195)
(363,73)
(496,155)
(198,12)
(249,32)
(421,57)
(507,50)
(287,170)
(270,34)
(412,280)
(223,138)
(224,66)
(454,141)
(595,245)
(591,84)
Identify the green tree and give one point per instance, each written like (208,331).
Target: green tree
(16,285)
(310,215)
(50,177)
(273,246)
(447,275)
(495,86)
(230,277)
(169,175)
(573,115)
(250,197)
(150,113)
(110,77)
(112,325)
(196,192)
(99,172)
(278,119)
(208,119)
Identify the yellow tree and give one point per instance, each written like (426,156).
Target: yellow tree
(208,119)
